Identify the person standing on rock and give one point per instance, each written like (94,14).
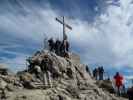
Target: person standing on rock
(94,73)
(88,70)
(51,44)
(64,48)
(46,65)
(130,93)
(66,44)
(101,73)
(57,47)
(118,82)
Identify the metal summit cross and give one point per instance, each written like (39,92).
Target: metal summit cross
(64,25)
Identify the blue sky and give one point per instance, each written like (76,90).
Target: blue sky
(101,35)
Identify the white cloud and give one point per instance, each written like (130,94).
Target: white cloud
(107,41)
(112,44)
(129,77)
(17,63)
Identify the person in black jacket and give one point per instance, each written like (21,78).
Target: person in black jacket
(51,44)
(57,47)
(64,48)
(95,73)
(130,93)
(101,73)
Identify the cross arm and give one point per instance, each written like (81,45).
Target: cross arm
(63,23)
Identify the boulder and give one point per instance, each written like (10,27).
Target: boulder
(69,80)
(10,87)
(106,84)
(3,84)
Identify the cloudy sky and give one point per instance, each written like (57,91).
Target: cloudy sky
(102,31)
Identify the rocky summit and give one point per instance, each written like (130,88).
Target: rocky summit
(65,79)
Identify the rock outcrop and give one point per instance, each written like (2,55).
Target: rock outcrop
(69,81)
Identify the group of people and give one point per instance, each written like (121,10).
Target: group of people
(118,82)
(61,48)
(120,87)
(98,73)
(42,66)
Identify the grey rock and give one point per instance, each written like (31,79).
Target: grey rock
(3,84)
(69,81)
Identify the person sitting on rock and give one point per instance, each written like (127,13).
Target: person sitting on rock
(51,44)
(118,82)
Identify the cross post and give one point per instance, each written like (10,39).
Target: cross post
(64,25)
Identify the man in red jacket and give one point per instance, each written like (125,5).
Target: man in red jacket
(118,82)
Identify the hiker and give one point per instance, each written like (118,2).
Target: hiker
(66,44)
(64,48)
(101,72)
(88,70)
(95,73)
(57,47)
(118,82)
(51,44)
(46,65)
(130,93)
